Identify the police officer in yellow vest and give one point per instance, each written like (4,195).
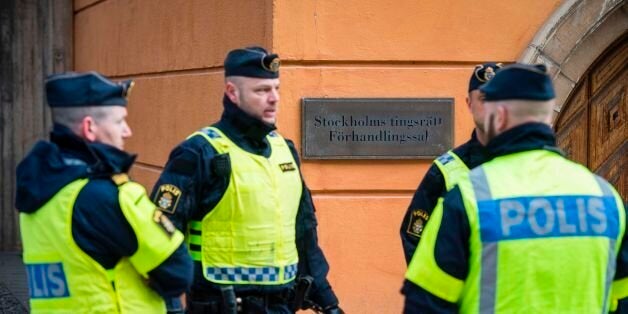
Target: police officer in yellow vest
(447,169)
(93,241)
(528,231)
(235,187)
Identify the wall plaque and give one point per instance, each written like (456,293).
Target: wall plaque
(376,128)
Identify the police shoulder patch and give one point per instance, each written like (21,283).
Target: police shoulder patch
(417,222)
(163,221)
(287,166)
(167,198)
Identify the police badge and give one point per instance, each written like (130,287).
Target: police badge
(485,74)
(167,198)
(271,63)
(417,222)
(489,74)
(274,65)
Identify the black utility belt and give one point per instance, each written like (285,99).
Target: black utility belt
(292,299)
(243,304)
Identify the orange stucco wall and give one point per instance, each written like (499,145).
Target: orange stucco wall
(329,48)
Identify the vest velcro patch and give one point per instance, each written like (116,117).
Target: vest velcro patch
(167,198)
(417,222)
(47,280)
(164,222)
(287,166)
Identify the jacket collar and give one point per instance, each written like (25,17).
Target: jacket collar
(528,136)
(238,124)
(101,159)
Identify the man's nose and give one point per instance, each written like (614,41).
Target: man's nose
(127,131)
(274,96)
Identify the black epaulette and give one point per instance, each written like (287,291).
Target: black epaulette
(120,178)
(221,165)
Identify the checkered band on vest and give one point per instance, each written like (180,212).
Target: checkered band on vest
(445,158)
(211,133)
(252,274)
(290,271)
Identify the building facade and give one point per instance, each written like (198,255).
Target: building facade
(354,48)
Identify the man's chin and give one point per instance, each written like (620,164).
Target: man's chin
(270,121)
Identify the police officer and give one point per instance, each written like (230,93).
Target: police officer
(237,189)
(448,168)
(528,231)
(93,241)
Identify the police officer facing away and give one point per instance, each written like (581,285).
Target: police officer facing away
(448,168)
(93,241)
(528,231)
(237,190)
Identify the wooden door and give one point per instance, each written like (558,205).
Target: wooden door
(591,127)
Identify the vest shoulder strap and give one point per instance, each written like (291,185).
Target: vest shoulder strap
(120,178)
(452,167)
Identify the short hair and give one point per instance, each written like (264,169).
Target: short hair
(529,109)
(72,117)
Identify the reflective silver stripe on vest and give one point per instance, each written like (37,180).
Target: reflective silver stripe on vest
(488,280)
(612,257)
(250,274)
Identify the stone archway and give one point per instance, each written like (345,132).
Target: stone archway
(585,45)
(573,38)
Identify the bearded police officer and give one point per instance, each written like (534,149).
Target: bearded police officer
(236,188)
(93,241)
(528,231)
(448,168)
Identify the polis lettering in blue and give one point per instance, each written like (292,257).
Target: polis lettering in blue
(548,216)
(47,281)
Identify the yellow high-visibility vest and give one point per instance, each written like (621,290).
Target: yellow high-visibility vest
(64,279)
(249,237)
(544,238)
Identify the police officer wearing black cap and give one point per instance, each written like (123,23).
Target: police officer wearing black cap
(93,241)
(448,168)
(236,189)
(528,231)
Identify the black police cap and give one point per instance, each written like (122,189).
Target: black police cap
(73,89)
(252,62)
(482,74)
(520,81)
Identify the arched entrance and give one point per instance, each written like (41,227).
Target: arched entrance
(592,127)
(585,45)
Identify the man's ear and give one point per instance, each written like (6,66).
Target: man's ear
(468,100)
(88,129)
(501,118)
(232,92)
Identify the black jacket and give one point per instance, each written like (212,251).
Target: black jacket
(193,168)
(98,224)
(432,187)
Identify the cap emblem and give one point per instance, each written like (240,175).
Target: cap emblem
(273,66)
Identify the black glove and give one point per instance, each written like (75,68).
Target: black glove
(334,309)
